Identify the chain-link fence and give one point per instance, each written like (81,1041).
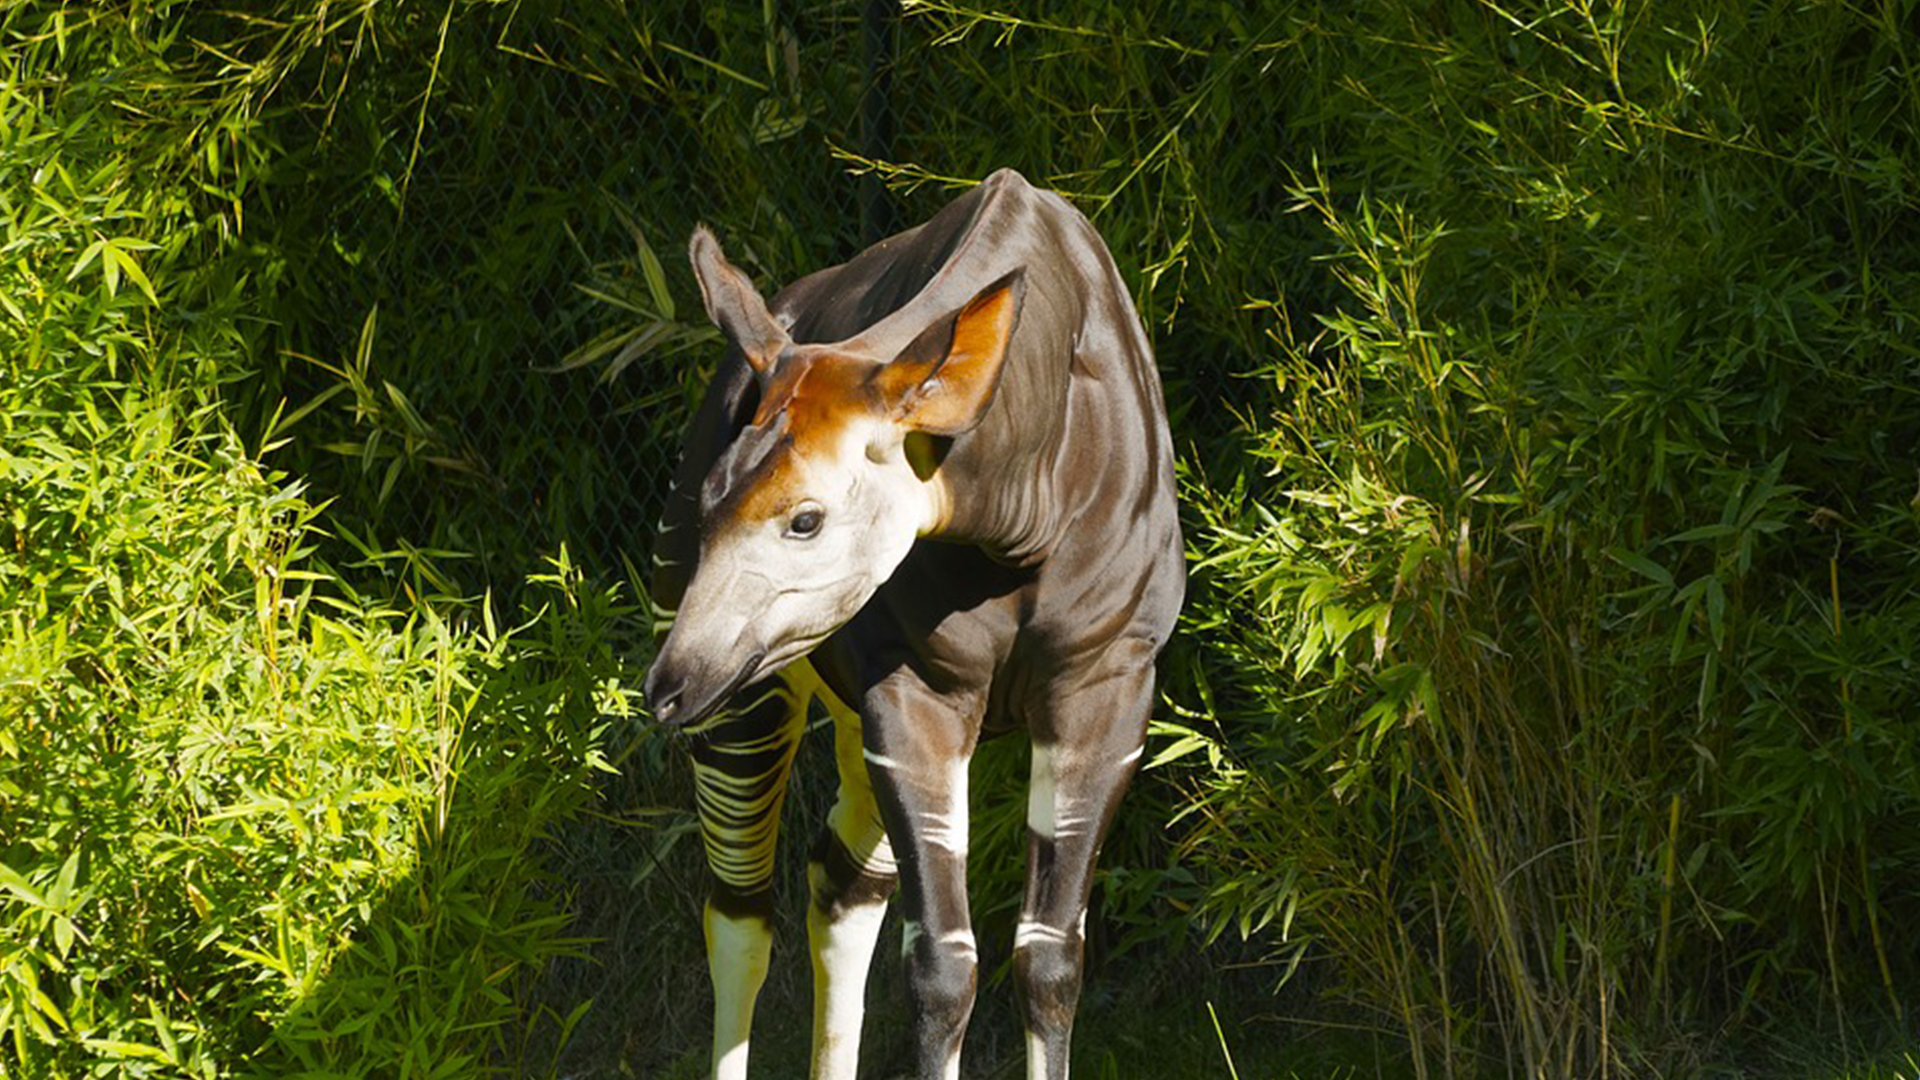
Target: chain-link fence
(491,247)
(499,284)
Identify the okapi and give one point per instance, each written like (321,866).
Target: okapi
(933,487)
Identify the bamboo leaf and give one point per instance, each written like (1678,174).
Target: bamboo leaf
(1642,565)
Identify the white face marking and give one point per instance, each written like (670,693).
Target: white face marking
(768,587)
(870,506)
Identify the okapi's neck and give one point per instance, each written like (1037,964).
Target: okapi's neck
(999,480)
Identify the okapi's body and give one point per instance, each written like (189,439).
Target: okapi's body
(987,436)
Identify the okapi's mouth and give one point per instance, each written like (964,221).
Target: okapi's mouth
(671,706)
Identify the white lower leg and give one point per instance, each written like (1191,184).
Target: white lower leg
(842,935)
(737,952)
(1037,1058)
(842,945)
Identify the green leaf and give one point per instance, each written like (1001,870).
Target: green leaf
(13,882)
(1186,744)
(121,1048)
(1716,597)
(1641,565)
(656,278)
(117,255)
(91,253)
(392,478)
(1703,532)
(164,1030)
(284,423)
(1429,696)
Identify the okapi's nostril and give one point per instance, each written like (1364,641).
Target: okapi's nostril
(663,700)
(663,710)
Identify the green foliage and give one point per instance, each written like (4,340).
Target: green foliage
(251,822)
(470,237)
(1568,613)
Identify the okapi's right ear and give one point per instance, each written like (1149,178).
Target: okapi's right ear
(733,305)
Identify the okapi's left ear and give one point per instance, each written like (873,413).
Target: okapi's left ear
(943,383)
(734,305)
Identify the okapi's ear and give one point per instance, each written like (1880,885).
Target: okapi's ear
(733,305)
(944,381)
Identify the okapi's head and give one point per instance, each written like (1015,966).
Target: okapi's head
(820,497)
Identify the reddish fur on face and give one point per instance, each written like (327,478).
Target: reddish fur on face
(821,394)
(940,385)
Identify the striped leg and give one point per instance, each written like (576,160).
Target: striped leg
(1080,769)
(942,960)
(852,874)
(741,761)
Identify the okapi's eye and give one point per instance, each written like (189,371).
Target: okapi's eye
(806,523)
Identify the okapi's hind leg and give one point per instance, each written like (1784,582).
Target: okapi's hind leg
(1081,767)
(851,874)
(741,761)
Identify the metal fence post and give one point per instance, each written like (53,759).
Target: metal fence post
(878,215)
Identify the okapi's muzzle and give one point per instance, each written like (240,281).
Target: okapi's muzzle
(682,694)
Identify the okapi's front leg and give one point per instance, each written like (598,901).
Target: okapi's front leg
(852,874)
(918,747)
(1084,755)
(741,761)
